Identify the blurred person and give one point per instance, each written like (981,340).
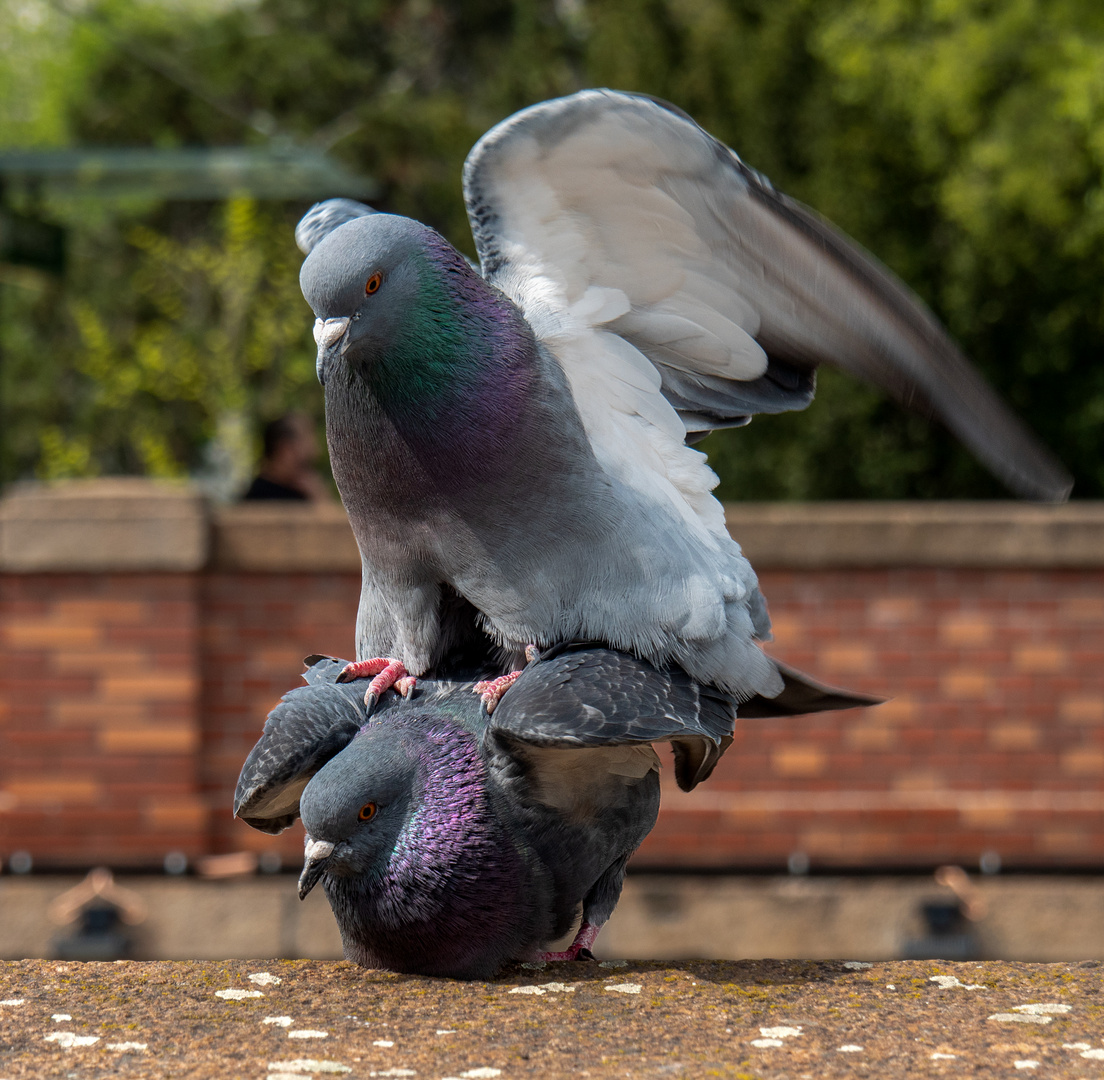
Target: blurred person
(289,466)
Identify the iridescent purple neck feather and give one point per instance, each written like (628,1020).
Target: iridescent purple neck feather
(440,900)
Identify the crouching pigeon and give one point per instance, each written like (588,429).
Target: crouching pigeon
(449,840)
(513,443)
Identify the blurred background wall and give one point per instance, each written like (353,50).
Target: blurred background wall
(143,638)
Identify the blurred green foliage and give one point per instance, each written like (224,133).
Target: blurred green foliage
(960,140)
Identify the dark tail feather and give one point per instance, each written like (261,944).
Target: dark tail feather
(803,694)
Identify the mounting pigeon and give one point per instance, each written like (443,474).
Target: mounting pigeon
(448,840)
(513,444)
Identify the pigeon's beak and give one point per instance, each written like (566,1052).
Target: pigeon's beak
(315,857)
(327,334)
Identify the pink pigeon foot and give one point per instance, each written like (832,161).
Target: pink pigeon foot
(387,673)
(579,949)
(490,691)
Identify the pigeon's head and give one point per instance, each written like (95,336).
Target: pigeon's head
(378,285)
(356,806)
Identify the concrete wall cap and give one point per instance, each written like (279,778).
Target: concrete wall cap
(959,534)
(310,537)
(109,524)
(267,537)
(136,524)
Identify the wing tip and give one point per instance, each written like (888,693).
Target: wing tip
(322,218)
(1052,488)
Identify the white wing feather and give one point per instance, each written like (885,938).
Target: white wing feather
(638,245)
(593,283)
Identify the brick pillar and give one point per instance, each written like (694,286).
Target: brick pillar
(100,673)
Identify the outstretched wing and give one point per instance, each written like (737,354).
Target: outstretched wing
(311,724)
(678,288)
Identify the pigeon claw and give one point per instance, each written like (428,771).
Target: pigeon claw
(490,691)
(387,673)
(579,949)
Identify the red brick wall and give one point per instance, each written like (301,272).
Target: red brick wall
(256,630)
(129,701)
(993,738)
(99,686)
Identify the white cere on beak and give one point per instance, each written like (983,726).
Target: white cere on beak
(317,849)
(327,331)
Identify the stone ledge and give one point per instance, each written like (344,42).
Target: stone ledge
(764,1018)
(284,537)
(118,523)
(1030,917)
(133,524)
(773,535)
(985,535)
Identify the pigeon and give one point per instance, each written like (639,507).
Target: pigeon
(514,443)
(449,840)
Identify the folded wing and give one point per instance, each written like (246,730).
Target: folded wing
(311,724)
(583,695)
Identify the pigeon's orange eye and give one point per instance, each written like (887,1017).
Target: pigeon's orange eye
(367,811)
(374,282)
